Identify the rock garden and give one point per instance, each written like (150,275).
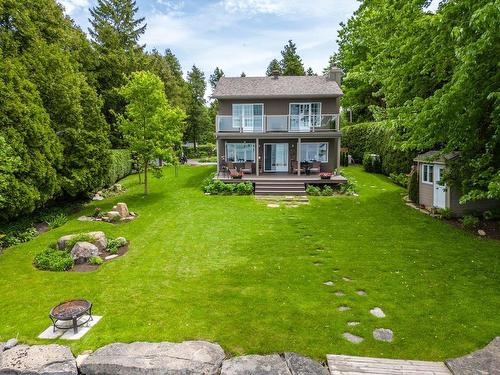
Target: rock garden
(119,213)
(80,252)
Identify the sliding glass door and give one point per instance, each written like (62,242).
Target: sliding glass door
(275,157)
(303,116)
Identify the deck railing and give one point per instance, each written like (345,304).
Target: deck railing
(278,123)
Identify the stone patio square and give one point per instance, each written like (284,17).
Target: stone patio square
(68,334)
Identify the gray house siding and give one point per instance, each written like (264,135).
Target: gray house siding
(279,106)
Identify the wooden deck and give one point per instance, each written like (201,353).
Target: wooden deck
(315,179)
(349,365)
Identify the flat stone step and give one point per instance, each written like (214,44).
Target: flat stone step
(351,365)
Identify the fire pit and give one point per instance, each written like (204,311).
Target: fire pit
(71,311)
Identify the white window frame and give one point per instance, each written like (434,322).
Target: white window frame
(245,151)
(425,174)
(310,112)
(318,145)
(242,118)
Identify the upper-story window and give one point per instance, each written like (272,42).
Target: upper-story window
(303,116)
(249,117)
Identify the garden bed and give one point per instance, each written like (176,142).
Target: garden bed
(86,267)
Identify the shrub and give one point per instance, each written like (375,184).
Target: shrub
(372,163)
(57,220)
(244,188)
(115,244)
(445,213)
(16,234)
(96,261)
(121,166)
(313,190)
(216,187)
(53,260)
(327,191)
(202,151)
(80,237)
(470,222)
(400,179)
(413,186)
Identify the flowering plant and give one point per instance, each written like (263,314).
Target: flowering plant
(325,174)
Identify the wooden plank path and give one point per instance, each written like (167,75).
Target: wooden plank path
(350,365)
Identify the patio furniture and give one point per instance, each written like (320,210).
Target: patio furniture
(315,168)
(248,167)
(295,167)
(71,311)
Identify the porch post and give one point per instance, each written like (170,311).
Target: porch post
(298,157)
(218,157)
(257,156)
(338,153)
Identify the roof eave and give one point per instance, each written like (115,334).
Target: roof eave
(301,96)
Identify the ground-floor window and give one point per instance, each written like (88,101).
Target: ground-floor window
(240,152)
(314,152)
(427,173)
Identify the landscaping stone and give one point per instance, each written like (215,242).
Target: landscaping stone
(83,251)
(483,361)
(300,365)
(97,198)
(112,256)
(328,283)
(100,240)
(112,214)
(273,205)
(343,308)
(481,232)
(255,365)
(10,344)
(346,279)
(339,294)
(361,293)
(352,324)
(377,311)
(38,360)
(61,242)
(383,334)
(141,358)
(86,218)
(352,338)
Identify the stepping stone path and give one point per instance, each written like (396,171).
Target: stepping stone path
(352,338)
(343,308)
(273,205)
(383,334)
(287,201)
(346,279)
(352,324)
(328,283)
(377,311)
(339,294)
(361,293)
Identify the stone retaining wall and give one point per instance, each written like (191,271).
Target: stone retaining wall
(190,358)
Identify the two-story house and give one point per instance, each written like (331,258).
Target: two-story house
(279,127)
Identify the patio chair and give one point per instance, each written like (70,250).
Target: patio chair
(248,167)
(316,167)
(230,165)
(295,167)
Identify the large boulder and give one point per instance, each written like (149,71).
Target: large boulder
(83,251)
(300,365)
(61,242)
(256,365)
(142,358)
(121,208)
(38,360)
(482,361)
(100,240)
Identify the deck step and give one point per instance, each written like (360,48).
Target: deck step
(279,187)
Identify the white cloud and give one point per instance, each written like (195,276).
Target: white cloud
(71,6)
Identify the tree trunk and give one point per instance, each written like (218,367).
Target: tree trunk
(145,178)
(140,179)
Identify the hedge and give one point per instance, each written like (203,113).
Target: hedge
(121,166)
(202,151)
(377,138)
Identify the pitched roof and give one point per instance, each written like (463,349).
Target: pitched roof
(281,87)
(435,156)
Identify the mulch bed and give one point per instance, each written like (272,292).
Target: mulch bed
(85,267)
(491,227)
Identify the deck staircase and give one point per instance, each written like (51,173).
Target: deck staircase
(279,187)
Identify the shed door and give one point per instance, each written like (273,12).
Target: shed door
(439,190)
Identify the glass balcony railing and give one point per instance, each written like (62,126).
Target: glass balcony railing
(278,123)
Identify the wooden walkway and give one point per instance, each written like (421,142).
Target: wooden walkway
(349,365)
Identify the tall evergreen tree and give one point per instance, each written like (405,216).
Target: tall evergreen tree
(291,63)
(198,122)
(215,76)
(243,74)
(333,61)
(115,31)
(274,66)
(310,72)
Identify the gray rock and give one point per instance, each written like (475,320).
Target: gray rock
(352,338)
(138,358)
(61,242)
(100,240)
(361,293)
(86,218)
(377,311)
(339,293)
(481,232)
(328,283)
(97,198)
(300,365)
(38,360)
(113,214)
(10,344)
(122,209)
(352,324)
(83,251)
(383,334)
(112,256)
(271,364)
(346,279)
(343,308)
(483,361)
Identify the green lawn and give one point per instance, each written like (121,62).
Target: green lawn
(229,269)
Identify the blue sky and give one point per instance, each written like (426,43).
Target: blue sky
(236,35)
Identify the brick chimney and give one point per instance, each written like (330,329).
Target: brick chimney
(335,74)
(275,73)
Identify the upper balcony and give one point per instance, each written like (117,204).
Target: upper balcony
(278,124)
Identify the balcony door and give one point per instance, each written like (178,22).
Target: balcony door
(249,118)
(303,116)
(275,157)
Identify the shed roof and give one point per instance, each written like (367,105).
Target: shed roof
(435,156)
(279,87)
